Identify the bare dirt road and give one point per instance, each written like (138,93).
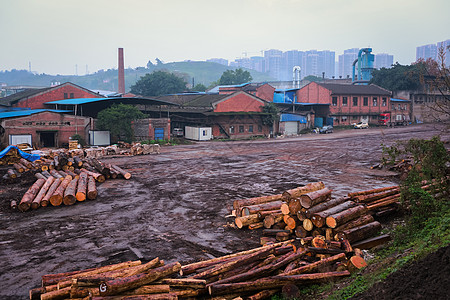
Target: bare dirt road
(174,206)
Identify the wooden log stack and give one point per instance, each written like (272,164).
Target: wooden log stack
(254,273)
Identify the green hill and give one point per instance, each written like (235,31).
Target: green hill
(201,72)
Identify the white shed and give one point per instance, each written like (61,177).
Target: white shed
(198,133)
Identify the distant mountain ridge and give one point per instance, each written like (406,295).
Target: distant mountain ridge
(199,71)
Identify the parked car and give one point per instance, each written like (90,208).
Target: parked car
(361,125)
(177,132)
(326,129)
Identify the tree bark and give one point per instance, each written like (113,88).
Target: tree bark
(45,200)
(11,173)
(70,192)
(82,187)
(185,283)
(300,232)
(294,206)
(325,205)
(57,294)
(361,232)
(19,167)
(297,192)
(246,220)
(37,200)
(256,225)
(30,194)
(39,176)
(385,202)
(57,197)
(114,287)
(342,217)
(121,171)
(355,263)
(56,174)
(257,200)
(372,242)
(91,188)
(316,265)
(254,209)
(264,213)
(98,177)
(367,192)
(77,161)
(373,197)
(270,220)
(319,218)
(364,219)
(313,198)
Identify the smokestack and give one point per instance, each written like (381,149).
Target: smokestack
(121,72)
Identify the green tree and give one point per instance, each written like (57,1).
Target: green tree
(237,76)
(271,111)
(158,83)
(399,77)
(117,119)
(313,78)
(199,87)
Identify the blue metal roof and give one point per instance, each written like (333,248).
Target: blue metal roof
(76,101)
(285,90)
(28,112)
(138,100)
(293,118)
(399,100)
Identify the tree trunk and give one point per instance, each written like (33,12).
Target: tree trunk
(256,225)
(124,173)
(37,200)
(30,194)
(319,218)
(91,188)
(57,294)
(254,209)
(342,217)
(102,168)
(314,198)
(39,176)
(82,187)
(300,232)
(57,198)
(373,197)
(308,225)
(364,219)
(246,220)
(98,177)
(19,167)
(372,191)
(257,200)
(318,242)
(355,263)
(77,161)
(56,174)
(325,205)
(291,222)
(384,202)
(45,200)
(372,242)
(11,173)
(294,206)
(69,194)
(264,213)
(185,283)
(266,294)
(285,208)
(270,220)
(114,287)
(297,192)
(361,232)
(316,265)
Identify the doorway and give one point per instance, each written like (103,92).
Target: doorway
(47,138)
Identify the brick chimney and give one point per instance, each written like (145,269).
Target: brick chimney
(121,72)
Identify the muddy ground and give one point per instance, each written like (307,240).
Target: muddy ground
(174,206)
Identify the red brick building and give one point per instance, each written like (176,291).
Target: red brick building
(261,90)
(35,98)
(42,128)
(236,115)
(348,103)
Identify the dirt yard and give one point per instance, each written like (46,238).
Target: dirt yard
(174,206)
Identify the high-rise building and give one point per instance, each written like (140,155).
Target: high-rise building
(272,62)
(291,59)
(383,60)
(445,45)
(346,61)
(327,60)
(426,51)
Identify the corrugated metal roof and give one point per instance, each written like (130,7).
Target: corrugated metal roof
(138,100)
(350,89)
(292,118)
(28,112)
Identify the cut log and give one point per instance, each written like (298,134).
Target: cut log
(373,197)
(364,219)
(282,236)
(19,167)
(273,232)
(57,294)
(264,213)
(347,246)
(372,242)
(360,233)
(70,192)
(291,222)
(91,188)
(46,199)
(30,194)
(26,163)
(342,217)
(270,220)
(325,205)
(308,225)
(39,176)
(272,282)
(319,218)
(266,294)
(246,220)
(254,209)
(62,173)
(69,172)
(318,242)
(284,208)
(256,225)
(57,198)
(356,263)
(372,191)
(257,200)
(113,287)
(125,174)
(37,200)
(294,206)
(385,202)
(46,174)
(185,283)
(101,168)
(315,197)
(297,192)
(316,265)
(98,177)
(56,174)
(82,187)
(300,232)
(11,173)
(77,161)
(301,214)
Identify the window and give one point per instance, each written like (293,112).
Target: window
(204,132)
(374,118)
(393,106)
(354,117)
(259,128)
(355,101)
(344,118)
(404,107)
(344,101)
(366,101)
(250,128)
(399,106)
(375,101)
(231,129)
(71,96)
(334,101)
(384,102)
(65,96)
(241,128)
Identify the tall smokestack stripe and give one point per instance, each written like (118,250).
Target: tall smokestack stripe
(121,72)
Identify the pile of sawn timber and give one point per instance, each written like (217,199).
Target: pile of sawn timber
(254,274)
(64,180)
(310,211)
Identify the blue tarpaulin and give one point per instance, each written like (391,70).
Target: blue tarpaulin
(27,156)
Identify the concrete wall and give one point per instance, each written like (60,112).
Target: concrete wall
(144,129)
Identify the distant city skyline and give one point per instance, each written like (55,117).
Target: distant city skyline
(68,37)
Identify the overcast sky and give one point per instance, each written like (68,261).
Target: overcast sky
(56,35)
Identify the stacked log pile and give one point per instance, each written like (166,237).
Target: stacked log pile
(257,273)
(310,211)
(66,180)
